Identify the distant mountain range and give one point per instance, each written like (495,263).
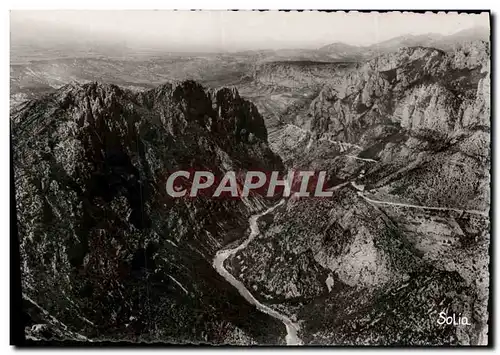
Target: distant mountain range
(339,51)
(434,40)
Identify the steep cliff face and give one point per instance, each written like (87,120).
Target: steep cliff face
(104,249)
(283,91)
(418,88)
(417,91)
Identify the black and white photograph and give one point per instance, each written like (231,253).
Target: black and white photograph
(251,178)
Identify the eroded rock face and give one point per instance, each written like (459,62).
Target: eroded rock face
(103,248)
(417,88)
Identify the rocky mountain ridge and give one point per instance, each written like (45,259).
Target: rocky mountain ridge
(104,250)
(389,86)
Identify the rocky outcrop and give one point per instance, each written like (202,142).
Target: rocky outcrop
(418,88)
(104,249)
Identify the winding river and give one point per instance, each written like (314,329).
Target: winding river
(218,263)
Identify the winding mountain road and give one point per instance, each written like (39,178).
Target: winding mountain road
(218,264)
(362,159)
(481,213)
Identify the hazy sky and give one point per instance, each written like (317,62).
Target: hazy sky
(230,30)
